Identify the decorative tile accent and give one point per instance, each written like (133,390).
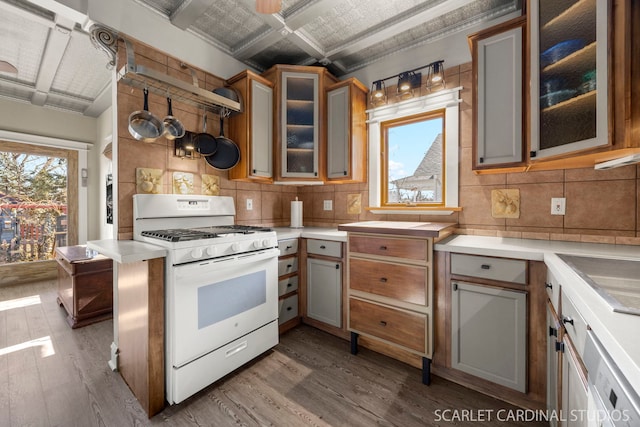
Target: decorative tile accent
(505,203)
(354,204)
(210,185)
(148,181)
(182,183)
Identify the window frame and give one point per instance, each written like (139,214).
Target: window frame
(384,151)
(447,100)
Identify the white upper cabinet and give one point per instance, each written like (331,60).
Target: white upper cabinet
(497,55)
(569,91)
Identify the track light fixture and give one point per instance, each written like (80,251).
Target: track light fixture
(408,82)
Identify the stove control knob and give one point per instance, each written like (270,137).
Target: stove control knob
(257,244)
(211,250)
(235,247)
(196,253)
(266,243)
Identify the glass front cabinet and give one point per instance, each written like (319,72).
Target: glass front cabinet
(569,93)
(300,125)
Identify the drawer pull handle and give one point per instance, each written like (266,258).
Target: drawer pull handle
(289,308)
(548,285)
(383,248)
(566,320)
(485,266)
(289,285)
(383,323)
(323,247)
(383,279)
(289,247)
(289,265)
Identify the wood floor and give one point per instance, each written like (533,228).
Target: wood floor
(51,375)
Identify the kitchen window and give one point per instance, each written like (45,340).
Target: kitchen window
(413,155)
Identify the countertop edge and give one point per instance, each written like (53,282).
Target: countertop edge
(378,227)
(126,251)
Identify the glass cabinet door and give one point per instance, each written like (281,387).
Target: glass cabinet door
(569,76)
(299,125)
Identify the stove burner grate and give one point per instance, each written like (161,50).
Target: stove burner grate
(185,234)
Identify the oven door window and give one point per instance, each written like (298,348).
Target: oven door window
(238,294)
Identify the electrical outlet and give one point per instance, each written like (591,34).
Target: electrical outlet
(249,204)
(328,205)
(558,205)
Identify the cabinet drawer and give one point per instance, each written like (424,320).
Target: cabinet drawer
(324,247)
(401,327)
(573,322)
(506,270)
(288,309)
(287,265)
(402,282)
(287,285)
(288,247)
(393,247)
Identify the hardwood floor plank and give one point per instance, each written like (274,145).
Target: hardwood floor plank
(309,379)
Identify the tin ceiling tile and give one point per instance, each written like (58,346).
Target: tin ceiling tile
(282,52)
(27,41)
(229,23)
(82,70)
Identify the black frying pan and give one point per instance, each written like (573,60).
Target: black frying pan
(205,143)
(228,154)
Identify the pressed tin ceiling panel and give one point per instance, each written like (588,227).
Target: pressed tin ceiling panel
(343,35)
(87,81)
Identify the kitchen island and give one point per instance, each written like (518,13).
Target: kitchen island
(390,288)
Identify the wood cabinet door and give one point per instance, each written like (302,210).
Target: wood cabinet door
(489,333)
(497,56)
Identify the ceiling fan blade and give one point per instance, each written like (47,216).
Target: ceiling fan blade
(7,67)
(268,6)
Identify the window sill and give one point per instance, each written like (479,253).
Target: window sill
(413,210)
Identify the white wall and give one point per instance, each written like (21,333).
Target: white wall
(16,116)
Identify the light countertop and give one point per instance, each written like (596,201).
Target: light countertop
(126,251)
(405,228)
(618,332)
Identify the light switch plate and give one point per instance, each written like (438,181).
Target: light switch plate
(558,205)
(249,204)
(328,205)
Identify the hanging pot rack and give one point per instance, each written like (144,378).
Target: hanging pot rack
(139,76)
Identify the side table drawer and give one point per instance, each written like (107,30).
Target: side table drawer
(324,247)
(402,282)
(400,327)
(288,247)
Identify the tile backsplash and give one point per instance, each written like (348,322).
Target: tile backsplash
(601,206)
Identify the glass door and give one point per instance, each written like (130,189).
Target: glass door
(569,76)
(300,125)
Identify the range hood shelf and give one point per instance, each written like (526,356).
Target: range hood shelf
(164,85)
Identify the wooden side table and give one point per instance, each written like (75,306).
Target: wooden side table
(85,285)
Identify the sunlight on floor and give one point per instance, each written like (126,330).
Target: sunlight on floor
(19,302)
(45,344)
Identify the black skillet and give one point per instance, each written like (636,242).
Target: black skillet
(205,143)
(227,155)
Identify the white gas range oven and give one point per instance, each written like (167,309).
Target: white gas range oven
(221,287)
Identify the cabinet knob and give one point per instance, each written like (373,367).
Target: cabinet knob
(383,323)
(548,285)
(567,319)
(289,247)
(289,308)
(323,247)
(344,173)
(485,267)
(289,285)
(383,248)
(254,171)
(337,266)
(289,265)
(383,279)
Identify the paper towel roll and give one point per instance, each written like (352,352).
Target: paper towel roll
(296,214)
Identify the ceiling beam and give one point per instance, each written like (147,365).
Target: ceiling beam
(57,42)
(188,12)
(309,13)
(397,25)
